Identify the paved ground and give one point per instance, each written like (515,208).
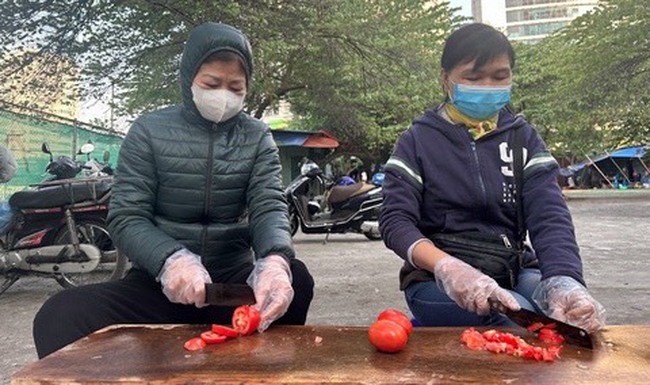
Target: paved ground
(357,278)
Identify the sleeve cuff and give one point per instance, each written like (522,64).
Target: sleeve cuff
(169,259)
(409,252)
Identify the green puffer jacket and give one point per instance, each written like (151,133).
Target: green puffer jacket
(183,181)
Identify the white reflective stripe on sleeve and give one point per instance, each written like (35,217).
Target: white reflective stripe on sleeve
(402,166)
(539,161)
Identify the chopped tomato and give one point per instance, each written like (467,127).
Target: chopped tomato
(500,342)
(387,336)
(211,337)
(397,317)
(535,326)
(473,339)
(195,343)
(550,336)
(496,347)
(509,339)
(225,331)
(245,320)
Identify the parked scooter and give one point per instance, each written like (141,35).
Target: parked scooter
(59,229)
(92,167)
(317,205)
(64,167)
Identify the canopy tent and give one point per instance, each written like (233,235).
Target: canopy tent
(309,139)
(622,162)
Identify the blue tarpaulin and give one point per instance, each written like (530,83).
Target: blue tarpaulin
(625,153)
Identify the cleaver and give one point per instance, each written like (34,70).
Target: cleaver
(228,294)
(524,318)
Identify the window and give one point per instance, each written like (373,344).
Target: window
(519,3)
(535,29)
(540,14)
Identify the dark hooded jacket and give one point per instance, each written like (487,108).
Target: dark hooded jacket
(439,179)
(185,182)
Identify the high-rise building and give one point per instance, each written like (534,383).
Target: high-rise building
(529,20)
(47,83)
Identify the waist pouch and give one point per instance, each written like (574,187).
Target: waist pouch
(493,254)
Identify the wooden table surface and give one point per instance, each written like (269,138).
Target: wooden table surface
(129,354)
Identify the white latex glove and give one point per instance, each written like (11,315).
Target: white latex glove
(183,278)
(566,300)
(469,287)
(271,282)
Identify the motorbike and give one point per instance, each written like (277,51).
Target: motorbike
(318,205)
(59,229)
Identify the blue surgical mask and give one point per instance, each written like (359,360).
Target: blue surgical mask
(480,102)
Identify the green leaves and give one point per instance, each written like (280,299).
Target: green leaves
(586,86)
(361,69)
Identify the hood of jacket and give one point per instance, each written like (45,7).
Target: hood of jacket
(202,42)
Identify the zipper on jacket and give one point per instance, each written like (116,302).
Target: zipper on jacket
(208,189)
(506,241)
(478,169)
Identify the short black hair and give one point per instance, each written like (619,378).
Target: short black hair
(475,41)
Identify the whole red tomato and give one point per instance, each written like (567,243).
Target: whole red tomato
(245,320)
(387,336)
(398,317)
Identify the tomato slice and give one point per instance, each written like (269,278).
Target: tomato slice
(211,337)
(387,336)
(245,320)
(225,331)
(397,317)
(195,343)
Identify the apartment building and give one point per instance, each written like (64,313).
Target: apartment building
(529,20)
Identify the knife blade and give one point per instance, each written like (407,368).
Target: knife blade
(228,294)
(524,318)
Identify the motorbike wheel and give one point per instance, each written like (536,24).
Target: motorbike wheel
(372,235)
(294,222)
(112,264)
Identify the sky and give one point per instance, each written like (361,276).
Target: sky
(466,6)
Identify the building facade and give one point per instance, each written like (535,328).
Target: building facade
(529,20)
(45,82)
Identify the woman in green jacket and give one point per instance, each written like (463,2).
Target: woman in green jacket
(197,199)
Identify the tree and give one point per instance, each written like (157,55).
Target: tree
(361,69)
(585,87)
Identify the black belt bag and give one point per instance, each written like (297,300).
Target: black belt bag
(493,254)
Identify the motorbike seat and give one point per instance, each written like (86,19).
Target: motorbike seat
(59,195)
(340,193)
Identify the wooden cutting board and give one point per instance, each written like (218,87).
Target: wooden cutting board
(129,354)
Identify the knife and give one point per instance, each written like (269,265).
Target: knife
(228,294)
(524,318)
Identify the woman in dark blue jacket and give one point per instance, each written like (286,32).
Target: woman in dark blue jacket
(452,172)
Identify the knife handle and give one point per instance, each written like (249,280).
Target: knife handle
(497,306)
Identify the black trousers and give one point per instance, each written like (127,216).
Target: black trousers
(138,299)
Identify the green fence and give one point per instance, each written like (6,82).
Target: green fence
(24,134)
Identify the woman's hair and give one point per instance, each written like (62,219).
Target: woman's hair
(475,41)
(226,56)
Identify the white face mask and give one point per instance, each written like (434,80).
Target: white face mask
(217,105)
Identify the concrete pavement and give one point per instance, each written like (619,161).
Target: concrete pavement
(356,278)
